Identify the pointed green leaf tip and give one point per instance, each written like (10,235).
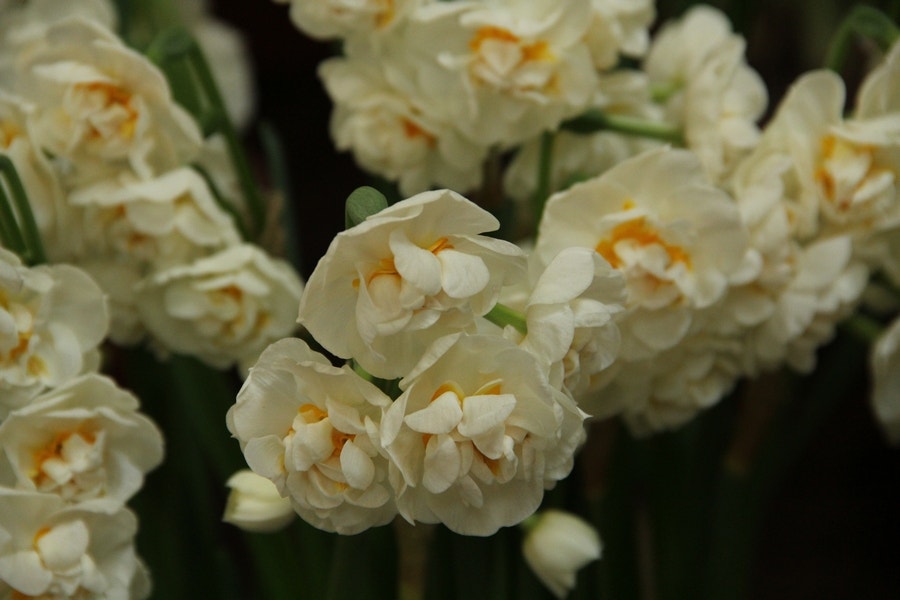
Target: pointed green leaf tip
(364,201)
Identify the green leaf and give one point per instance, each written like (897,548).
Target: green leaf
(362,203)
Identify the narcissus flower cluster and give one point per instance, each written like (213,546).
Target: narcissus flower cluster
(126,186)
(657,278)
(73,446)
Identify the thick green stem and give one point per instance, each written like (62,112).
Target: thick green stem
(593,121)
(502,316)
(545,170)
(865,22)
(26,234)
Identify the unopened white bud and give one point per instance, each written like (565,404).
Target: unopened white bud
(556,546)
(254,503)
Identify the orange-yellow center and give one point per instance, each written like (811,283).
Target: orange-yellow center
(113,96)
(830,149)
(641,233)
(413,131)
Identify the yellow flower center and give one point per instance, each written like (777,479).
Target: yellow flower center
(642,234)
(8,133)
(117,101)
(501,56)
(22,314)
(313,414)
(850,177)
(54,451)
(387,267)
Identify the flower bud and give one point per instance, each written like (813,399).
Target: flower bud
(254,503)
(556,546)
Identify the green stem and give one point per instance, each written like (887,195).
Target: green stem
(865,22)
(502,316)
(171,48)
(595,120)
(235,149)
(29,234)
(10,236)
(545,169)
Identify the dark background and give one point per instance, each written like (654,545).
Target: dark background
(833,528)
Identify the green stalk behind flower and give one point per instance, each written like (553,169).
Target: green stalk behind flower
(22,235)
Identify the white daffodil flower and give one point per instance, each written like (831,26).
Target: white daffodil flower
(313,429)
(556,545)
(404,277)
(678,242)
(224,309)
(327,19)
(393,132)
(808,279)
(156,223)
(842,175)
(101,107)
(477,435)
(254,503)
(715,96)
(674,237)
(80,441)
(884,361)
(52,550)
(52,318)
(501,71)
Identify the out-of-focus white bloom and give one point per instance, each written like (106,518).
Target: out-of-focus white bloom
(254,503)
(884,361)
(52,318)
(325,19)
(674,237)
(82,440)
(224,49)
(556,545)
(52,550)
(677,240)
(619,27)
(224,308)
(101,107)
(477,435)
(843,175)
(570,314)
(713,93)
(581,156)
(313,429)
(157,223)
(394,133)
(501,71)
(804,285)
(25,25)
(404,277)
